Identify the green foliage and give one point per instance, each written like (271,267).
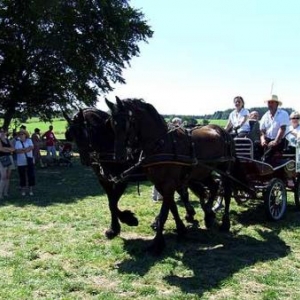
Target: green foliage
(59,54)
(205,122)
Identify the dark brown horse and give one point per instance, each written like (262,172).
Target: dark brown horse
(94,138)
(175,158)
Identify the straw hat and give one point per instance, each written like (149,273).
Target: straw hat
(25,132)
(295,115)
(274,98)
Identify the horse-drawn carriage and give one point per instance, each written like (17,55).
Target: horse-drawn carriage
(270,181)
(175,159)
(210,151)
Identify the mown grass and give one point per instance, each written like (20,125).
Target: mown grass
(60,125)
(52,246)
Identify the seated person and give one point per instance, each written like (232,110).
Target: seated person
(273,125)
(238,123)
(292,132)
(254,116)
(254,133)
(175,123)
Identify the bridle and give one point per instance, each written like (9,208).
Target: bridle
(131,133)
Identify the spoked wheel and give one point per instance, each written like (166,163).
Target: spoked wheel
(275,199)
(297,192)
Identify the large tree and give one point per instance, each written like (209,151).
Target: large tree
(57,53)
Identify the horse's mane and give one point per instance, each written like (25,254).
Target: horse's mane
(94,111)
(93,114)
(135,104)
(95,122)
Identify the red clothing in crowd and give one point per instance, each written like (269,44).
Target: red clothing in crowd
(50,138)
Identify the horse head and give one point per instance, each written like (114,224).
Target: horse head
(137,125)
(88,129)
(122,124)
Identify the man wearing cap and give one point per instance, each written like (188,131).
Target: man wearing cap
(273,126)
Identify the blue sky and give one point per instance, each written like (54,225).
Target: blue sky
(205,52)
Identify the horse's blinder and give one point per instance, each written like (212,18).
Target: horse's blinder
(130,131)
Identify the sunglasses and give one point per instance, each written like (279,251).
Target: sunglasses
(295,118)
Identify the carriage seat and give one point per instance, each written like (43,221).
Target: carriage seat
(249,145)
(244,147)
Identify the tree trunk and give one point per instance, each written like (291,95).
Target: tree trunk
(8,116)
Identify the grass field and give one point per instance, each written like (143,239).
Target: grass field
(61,124)
(52,246)
(58,124)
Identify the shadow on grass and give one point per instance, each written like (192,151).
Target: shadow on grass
(254,214)
(211,257)
(57,184)
(60,184)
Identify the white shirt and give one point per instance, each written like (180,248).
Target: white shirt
(236,118)
(290,137)
(272,124)
(21,157)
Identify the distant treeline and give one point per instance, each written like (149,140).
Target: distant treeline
(218,115)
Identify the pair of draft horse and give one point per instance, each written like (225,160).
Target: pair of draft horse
(175,158)
(94,137)
(172,159)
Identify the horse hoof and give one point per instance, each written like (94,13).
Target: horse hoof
(190,219)
(181,231)
(110,234)
(225,225)
(225,228)
(209,219)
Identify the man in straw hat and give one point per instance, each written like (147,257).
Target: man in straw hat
(273,126)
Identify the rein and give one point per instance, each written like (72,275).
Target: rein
(163,159)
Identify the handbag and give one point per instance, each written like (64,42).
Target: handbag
(5,161)
(29,161)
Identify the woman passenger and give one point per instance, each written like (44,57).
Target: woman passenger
(292,131)
(238,119)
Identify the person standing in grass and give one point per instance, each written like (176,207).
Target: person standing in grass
(24,147)
(50,142)
(6,149)
(37,141)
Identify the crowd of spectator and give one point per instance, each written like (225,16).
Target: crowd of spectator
(22,152)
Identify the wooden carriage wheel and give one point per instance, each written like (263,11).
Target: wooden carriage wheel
(275,199)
